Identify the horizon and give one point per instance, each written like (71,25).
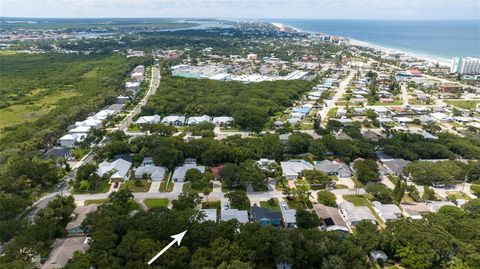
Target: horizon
(245,9)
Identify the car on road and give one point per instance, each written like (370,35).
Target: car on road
(226,206)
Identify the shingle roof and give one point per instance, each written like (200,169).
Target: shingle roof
(240,215)
(330,215)
(260,213)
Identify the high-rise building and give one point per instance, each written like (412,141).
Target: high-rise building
(465,65)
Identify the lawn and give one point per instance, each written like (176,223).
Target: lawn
(341,186)
(103,187)
(96,201)
(457,195)
(332,113)
(303,182)
(133,205)
(78,153)
(211,204)
(271,204)
(187,186)
(243,206)
(394,103)
(166,186)
(466,104)
(357,200)
(144,185)
(156,202)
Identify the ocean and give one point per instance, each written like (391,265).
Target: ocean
(434,39)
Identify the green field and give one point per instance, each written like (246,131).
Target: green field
(271,205)
(466,104)
(357,200)
(96,201)
(144,185)
(211,204)
(166,187)
(156,202)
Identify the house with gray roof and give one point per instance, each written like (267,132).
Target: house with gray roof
(332,220)
(198,120)
(336,168)
(291,169)
(148,120)
(210,214)
(63,250)
(156,173)
(356,214)
(74,227)
(265,217)
(118,169)
(436,205)
(229,214)
(387,212)
(222,121)
(289,217)
(180,171)
(174,120)
(394,166)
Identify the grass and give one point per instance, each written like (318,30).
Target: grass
(31,111)
(332,113)
(466,104)
(457,195)
(271,204)
(144,185)
(166,186)
(95,201)
(341,186)
(156,202)
(78,153)
(133,205)
(103,187)
(211,204)
(303,182)
(187,186)
(357,200)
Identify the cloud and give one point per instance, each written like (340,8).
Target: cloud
(356,9)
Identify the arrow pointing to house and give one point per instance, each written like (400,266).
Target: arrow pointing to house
(177,238)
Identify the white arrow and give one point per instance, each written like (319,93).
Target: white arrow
(177,238)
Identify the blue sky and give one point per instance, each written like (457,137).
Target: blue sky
(317,9)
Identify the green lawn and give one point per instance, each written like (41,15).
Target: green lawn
(166,187)
(156,202)
(211,204)
(271,205)
(457,195)
(332,113)
(103,187)
(78,153)
(244,206)
(96,201)
(466,104)
(341,186)
(357,200)
(133,205)
(187,186)
(144,185)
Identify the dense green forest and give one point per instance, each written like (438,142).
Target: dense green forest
(250,104)
(41,96)
(124,240)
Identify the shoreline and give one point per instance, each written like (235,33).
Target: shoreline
(355,42)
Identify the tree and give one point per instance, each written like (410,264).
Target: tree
(298,143)
(317,148)
(398,191)
(327,198)
(366,171)
(316,178)
(371,114)
(428,194)
(250,173)
(186,201)
(120,197)
(238,199)
(307,219)
(380,192)
(230,175)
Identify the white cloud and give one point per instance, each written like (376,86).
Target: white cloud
(356,9)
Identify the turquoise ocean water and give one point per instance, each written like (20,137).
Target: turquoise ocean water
(439,39)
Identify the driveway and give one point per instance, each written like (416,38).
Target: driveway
(155,187)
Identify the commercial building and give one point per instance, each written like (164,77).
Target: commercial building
(465,65)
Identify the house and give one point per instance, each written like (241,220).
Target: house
(117,169)
(222,121)
(116,107)
(395,166)
(387,212)
(439,116)
(436,205)
(240,215)
(378,256)
(63,250)
(198,120)
(288,216)
(181,171)
(356,214)
(90,122)
(148,120)
(291,169)
(69,140)
(332,220)
(449,88)
(336,168)
(210,214)
(58,153)
(174,120)
(74,227)
(415,210)
(403,120)
(156,173)
(132,87)
(137,76)
(266,217)
(80,130)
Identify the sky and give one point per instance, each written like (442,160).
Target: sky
(311,9)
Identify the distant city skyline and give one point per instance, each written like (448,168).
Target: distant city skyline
(245,9)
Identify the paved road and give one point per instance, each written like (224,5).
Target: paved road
(404,89)
(154,83)
(338,95)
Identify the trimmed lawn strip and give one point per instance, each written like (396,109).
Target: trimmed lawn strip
(132,186)
(156,202)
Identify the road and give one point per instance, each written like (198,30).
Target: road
(62,188)
(154,83)
(340,91)
(404,89)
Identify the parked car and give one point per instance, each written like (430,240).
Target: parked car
(115,185)
(226,206)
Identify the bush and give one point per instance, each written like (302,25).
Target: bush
(327,198)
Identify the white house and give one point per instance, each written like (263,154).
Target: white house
(222,121)
(174,120)
(181,171)
(68,140)
(355,214)
(118,169)
(387,212)
(148,120)
(198,120)
(156,173)
(291,169)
